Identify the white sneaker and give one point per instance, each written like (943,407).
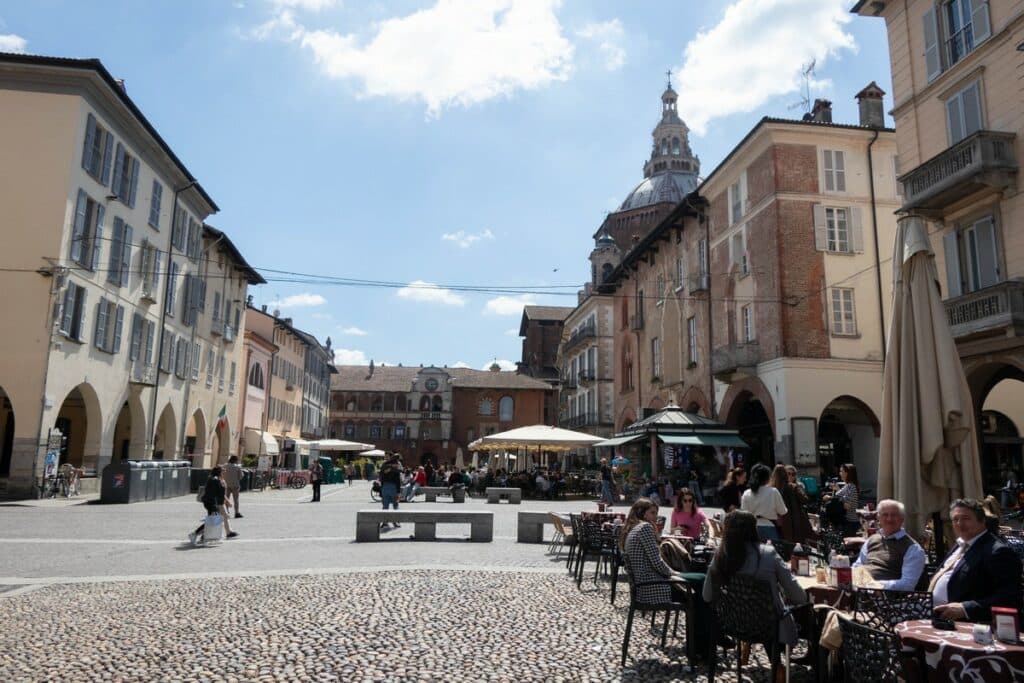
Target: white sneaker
(193,538)
(384,526)
(397,525)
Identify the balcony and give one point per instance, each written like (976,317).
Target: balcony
(700,282)
(579,336)
(216,327)
(141,373)
(735,359)
(148,295)
(229,334)
(982,160)
(995,310)
(636,321)
(430,415)
(591,419)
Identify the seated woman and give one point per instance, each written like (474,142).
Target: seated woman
(741,552)
(639,541)
(687,518)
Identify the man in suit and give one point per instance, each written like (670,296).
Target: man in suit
(980,573)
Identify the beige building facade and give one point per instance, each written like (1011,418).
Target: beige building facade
(106,249)
(957,69)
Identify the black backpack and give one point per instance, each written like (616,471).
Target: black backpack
(834,512)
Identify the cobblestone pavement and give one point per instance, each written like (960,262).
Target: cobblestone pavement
(108,593)
(404,625)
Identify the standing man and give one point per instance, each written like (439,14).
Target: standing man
(390,481)
(980,573)
(233,481)
(316,474)
(606,482)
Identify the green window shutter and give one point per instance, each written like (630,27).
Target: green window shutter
(90,140)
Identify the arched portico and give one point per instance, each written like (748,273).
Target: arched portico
(195,438)
(165,439)
(80,421)
(128,440)
(748,406)
(694,401)
(997,394)
(849,432)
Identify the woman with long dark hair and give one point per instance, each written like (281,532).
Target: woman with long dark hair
(849,493)
(639,540)
(795,525)
(687,518)
(764,502)
(729,494)
(741,552)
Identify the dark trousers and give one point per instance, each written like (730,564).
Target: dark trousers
(316,492)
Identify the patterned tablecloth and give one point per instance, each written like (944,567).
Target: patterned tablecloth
(953,656)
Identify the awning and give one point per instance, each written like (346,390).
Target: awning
(722,440)
(253,445)
(619,440)
(301,446)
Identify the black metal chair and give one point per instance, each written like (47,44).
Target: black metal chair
(883,609)
(611,557)
(590,545)
(784,549)
(744,610)
(830,539)
(671,608)
(869,654)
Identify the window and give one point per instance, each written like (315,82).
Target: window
(660,284)
(209,367)
(963,113)
(231,384)
(691,339)
(835,171)
(485,407)
(73,312)
(192,247)
(126,176)
(216,319)
(627,369)
(655,358)
(680,272)
(375,430)
(120,253)
(109,322)
(143,335)
(739,252)
(256,376)
(896,175)
(675,147)
(179,225)
(972,257)
(172,290)
(166,351)
(97,150)
(87,232)
(844,318)
(748,323)
(438,404)
(506,409)
(350,430)
(952,29)
(150,269)
(738,199)
(836,226)
(197,355)
(400,431)
(702,257)
(155,197)
(181,351)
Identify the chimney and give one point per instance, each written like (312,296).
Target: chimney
(822,111)
(121,85)
(263,308)
(277,312)
(869,101)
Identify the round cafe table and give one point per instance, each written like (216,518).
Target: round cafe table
(954,656)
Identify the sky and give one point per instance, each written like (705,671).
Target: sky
(458,155)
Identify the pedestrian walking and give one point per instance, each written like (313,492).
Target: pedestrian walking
(316,475)
(215,503)
(390,481)
(349,472)
(233,482)
(606,482)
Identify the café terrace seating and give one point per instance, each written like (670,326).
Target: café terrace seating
(672,608)
(869,654)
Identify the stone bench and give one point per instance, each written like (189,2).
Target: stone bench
(512,495)
(432,492)
(530,526)
(368,523)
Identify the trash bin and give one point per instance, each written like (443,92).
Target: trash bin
(149,479)
(198,478)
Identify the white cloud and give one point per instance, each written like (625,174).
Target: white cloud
(503,364)
(350,357)
(757,52)
(466,239)
(454,53)
(321,316)
(299,301)
(508,305)
(608,36)
(10,42)
(354,332)
(460,364)
(310,5)
(428,292)
(512,332)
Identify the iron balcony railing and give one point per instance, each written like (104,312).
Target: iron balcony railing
(983,159)
(991,310)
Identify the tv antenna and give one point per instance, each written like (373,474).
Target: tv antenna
(805,100)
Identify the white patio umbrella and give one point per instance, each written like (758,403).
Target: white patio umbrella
(476,461)
(340,445)
(928,453)
(536,436)
(374,453)
(459,461)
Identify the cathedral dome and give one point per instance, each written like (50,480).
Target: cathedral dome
(669,186)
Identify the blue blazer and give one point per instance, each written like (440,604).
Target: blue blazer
(989,576)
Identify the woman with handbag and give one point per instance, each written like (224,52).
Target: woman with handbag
(215,502)
(795,525)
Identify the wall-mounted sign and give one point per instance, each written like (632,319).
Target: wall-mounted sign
(805,440)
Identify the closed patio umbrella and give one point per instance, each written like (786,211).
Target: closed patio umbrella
(459,462)
(928,453)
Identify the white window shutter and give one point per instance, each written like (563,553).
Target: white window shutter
(988,264)
(932,55)
(196,356)
(980,23)
(118,326)
(954,280)
(829,170)
(820,230)
(856,230)
(79,331)
(839,159)
(100,336)
(150,338)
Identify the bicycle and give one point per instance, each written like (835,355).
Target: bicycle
(70,480)
(297,480)
(50,486)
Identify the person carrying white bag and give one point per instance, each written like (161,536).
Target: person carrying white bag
(216,505)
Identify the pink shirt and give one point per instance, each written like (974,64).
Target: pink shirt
(690,522)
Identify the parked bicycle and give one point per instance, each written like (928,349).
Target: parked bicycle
(50,486)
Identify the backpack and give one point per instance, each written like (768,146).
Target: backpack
(834,512)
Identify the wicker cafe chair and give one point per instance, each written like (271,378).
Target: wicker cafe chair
(673,607)
(563,534)
(869,654)
(744,610)
(883,609)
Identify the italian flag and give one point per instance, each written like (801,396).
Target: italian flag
(222,417)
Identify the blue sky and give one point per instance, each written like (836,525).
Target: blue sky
(474,143)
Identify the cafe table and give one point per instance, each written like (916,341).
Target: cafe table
(954,656)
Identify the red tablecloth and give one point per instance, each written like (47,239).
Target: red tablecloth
(954,656)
